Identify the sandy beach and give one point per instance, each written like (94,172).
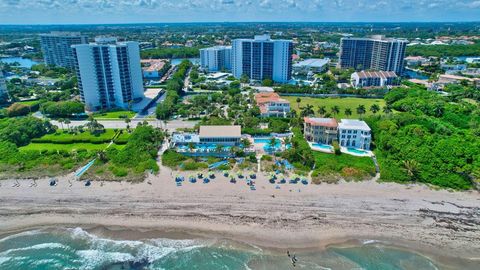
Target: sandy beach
(294,216)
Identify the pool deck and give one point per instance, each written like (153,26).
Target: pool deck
(367,153)
(315,148)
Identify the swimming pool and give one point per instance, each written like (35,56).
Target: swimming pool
(357,151)
(322,146)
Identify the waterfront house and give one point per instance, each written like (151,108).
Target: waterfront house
(320,130)
(354,133)
(272,105)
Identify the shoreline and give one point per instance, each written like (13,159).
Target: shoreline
(294,217)
(444,260)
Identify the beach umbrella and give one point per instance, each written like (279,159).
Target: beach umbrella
(193,179)
(225,173)
(233,180)
(305,181)
(88,183)
(200,175)
(53,182)
(272,181)
(212,176)
(206,180)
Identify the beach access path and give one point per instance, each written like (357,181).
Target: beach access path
(294,216)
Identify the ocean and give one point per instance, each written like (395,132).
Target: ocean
(75,248)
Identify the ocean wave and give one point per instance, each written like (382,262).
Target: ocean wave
(36,247)
(92,259)
(22,234)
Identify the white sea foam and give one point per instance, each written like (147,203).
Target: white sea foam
(25,233)
(4,260)
(36,247)
(93,259)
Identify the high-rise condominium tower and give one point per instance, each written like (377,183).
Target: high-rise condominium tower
(216,58)
(109,73)
(262,58)
(377,53)
(56,48)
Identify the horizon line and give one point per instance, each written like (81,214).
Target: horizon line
(233,22)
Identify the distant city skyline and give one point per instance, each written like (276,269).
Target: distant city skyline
(169,11)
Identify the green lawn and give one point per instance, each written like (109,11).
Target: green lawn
(30,102)
(68,147)
(349,167)
(114,115)
(85,137)
(342,103)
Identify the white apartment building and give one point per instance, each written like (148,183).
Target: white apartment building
(262,58)
(109,73)
(354,133)
(373,79)
(56,47)
(216,58)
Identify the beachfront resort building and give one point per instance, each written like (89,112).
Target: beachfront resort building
(376,53)
(373,79)
(109,73)
(56,48)
(320,130)
(262,58)
(272,105)
(224,135)
(216,58)
(354,133)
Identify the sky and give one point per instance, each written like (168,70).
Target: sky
(151,11)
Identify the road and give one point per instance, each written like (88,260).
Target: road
(171,125)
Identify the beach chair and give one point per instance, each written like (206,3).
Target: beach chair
(179,184)
(233,180)
(252,187)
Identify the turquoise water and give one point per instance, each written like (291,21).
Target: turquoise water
(322,146)
(356,151)
(76,248)
(267,145)
(24,62)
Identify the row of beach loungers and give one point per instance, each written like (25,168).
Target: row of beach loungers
(275,178)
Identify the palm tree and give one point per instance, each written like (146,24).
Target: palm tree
(411,166)
(374,108)
(67,122)
(335,109)
(307,110)
(60,120)
(298,102)
(127,121)
(361,110)
(348,112)
(387,109)
(322,110)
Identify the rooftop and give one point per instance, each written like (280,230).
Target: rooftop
(220,132)
(324,122)
(313,62)
(353,124)
(153,64)
(376,74)
(265,97)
